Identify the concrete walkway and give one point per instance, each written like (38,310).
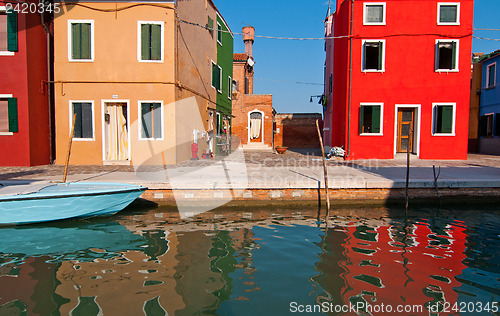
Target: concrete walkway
(293,170)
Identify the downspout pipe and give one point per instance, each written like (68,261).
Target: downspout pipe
(46,27)
(350,84)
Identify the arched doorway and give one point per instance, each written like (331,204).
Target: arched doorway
(255,127)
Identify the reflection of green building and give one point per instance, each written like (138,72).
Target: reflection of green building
(222,81)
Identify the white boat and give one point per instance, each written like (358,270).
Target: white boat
(44,202)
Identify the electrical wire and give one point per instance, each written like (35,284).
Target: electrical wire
(287,81)
(487,39)
(484,29)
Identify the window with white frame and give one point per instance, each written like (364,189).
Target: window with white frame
(448,13)
(486,125)
(81,40)
(219,33)
(84,125)
(374,13)
(8,32)
(150,41)
(491,75)
(373,56)
(150,113)
(370,118)
(443,119)
(447,55)
(229,87)
(8,115)
(216,77)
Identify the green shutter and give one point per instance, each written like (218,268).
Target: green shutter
(361,118)
(12,31)
(87,130)
(155,42)
(146,41)
(146,120)
(86,41)
(77,109)
(76,35)
(210,24)
(454,55)
(364,56)
(376,119)
(13,116)
(157,120)
(446,119)
(380,51)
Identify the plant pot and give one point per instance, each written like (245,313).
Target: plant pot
(281,150)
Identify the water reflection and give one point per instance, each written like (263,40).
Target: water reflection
(249,263)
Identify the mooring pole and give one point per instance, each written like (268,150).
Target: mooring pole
(325,171)
(69,148)
(408,166)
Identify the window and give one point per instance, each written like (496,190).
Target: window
(210,26)
(448,13)
(151,120)
(8,115)
(443,119)
(374,13)
(84,122)
(150,39)
(81,40)
(486,125)
(229,87)
(8,32)
(446,55)
(497,124)
(373,55)
(491,75)
(216,77)
(370,115)
(219,33)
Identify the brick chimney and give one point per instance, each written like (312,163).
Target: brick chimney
(248,38)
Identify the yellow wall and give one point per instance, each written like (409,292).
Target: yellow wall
(115,62)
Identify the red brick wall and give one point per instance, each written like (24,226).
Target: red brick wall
(244,103)
(297,130)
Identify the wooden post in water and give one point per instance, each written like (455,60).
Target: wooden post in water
(69,148)
(408,166)
(325,171)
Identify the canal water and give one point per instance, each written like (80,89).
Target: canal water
(281,261)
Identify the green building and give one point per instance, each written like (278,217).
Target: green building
(222,81)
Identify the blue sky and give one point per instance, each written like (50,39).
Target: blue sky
(281,62)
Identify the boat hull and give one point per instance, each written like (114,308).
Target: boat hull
(77,201)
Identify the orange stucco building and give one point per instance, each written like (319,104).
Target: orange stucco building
(138,79)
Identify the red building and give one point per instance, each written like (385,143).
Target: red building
(397,75)
(24,103)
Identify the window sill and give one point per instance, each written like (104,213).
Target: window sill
(6,134)
(448,23)
(83,139)
(7,53)
(446,70)
(81,60)
(374,23)
(371,134)
(443,134)
(150,139)
(372,71)
(151,61)
(490,87)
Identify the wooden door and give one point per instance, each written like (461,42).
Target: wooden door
(406,119)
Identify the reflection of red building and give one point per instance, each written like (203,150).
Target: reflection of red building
(382,270)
